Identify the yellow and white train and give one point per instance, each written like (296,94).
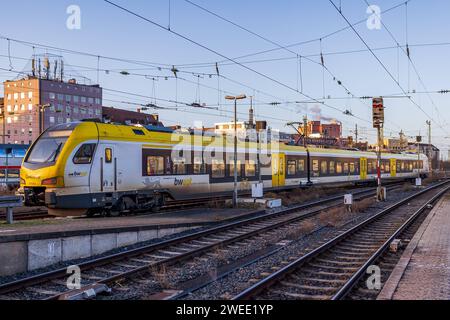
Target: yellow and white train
(90,167)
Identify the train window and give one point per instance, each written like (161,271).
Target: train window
(301,165)
(84,154)
(369,167)
(108,155)
(398,166)
(218,168)
(13,173)
(2,173)
(388,167)
(332,167)
(250,168)
(403,165)
(315,165)
(155,165)
(339,167)
(231,166)
(291,167)
(324,167)
(198,167)
(345,167)
(410,166)
(179,166)
(352,167)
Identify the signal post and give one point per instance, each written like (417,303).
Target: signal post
(378,123)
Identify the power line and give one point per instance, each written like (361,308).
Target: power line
(408,55)
(223,56)
(380,62)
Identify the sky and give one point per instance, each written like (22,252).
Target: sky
(147,50)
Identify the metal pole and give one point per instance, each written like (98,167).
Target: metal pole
(235,193)
(9,215)
(430,149)
(379,192)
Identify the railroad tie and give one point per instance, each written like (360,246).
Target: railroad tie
(43,291)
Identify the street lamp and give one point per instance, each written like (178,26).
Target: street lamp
(235,191)
(41,109)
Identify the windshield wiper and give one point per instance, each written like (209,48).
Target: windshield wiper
(54,154)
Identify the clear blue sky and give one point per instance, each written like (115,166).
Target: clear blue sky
(108,31)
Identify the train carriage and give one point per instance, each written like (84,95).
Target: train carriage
(91,167)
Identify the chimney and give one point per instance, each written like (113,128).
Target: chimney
(251,114)
(33,67)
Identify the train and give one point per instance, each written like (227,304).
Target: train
(11,158)
(90,167)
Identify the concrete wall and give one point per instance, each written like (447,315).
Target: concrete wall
(28,255)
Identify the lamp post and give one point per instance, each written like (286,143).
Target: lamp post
(235,191)
(41,109)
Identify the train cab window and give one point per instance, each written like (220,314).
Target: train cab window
(339,167)
(218,168)
(231,166)
(291,167)
(198,167)
(324,167)
(179,166)
(108,155)
(250,168)
(155,165)
(84,154)
(332,167)
(301,165)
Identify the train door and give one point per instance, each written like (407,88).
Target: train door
(393,168)
(363,170)
(108,169)
(278,170)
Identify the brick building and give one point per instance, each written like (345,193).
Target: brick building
(34,104)
(317,129)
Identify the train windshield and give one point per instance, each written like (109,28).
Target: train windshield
(48,148)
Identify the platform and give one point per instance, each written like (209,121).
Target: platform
(423,272)
(30,245)
(198,216)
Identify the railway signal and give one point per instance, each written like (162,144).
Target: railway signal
(378,123)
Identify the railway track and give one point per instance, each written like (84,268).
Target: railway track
(99,273)
(23,216)
(336,269)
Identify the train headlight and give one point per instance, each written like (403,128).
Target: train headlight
(57,182)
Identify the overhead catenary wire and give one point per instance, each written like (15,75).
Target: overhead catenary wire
(186,38)
(381,63)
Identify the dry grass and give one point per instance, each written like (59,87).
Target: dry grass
(161,276)
(407,187)
(305,228)
(298,196)
(338,216)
